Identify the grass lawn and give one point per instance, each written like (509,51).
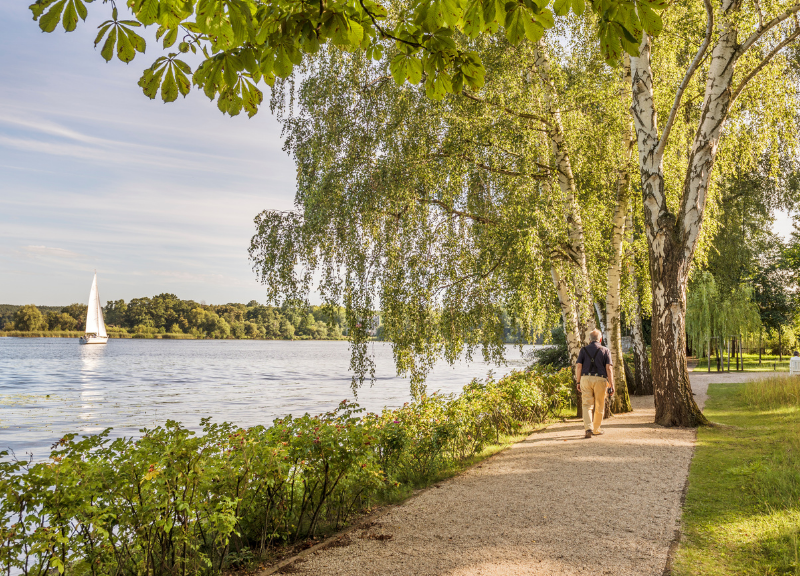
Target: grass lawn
(742,511)
(769,363)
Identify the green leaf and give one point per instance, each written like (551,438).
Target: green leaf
(138,42)
(107,52)
(610,45)
(38,7)
(125,50)
(171,37)
(473,19)
(521,23)
(578,6)
(150,81)
(413,70)
(229,73)
(184,85)
(494,13)
(283,65)
(398,68)
(182,66)
(146,11)
(438,85)
(169,89)
(103,29)
(248,59)
(49,21)
(81,8)
(561,7)
(651,21)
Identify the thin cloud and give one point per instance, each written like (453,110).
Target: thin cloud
(49,252)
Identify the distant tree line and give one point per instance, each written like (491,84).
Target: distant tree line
(168,314)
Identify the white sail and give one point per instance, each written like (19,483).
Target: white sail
(94,315)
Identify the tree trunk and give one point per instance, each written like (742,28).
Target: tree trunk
(621,401)
(566,182)
(642,375)
(571,330)
(672,239)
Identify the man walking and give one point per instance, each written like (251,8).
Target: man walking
(593,380)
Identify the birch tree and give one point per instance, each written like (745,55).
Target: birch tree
(352,115)
(741,43)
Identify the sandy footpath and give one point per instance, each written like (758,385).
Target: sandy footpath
(554,504)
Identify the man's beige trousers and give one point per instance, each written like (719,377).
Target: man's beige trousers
(593,395)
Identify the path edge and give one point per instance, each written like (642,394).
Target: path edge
(384,510)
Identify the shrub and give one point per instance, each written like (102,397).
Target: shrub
(172,502)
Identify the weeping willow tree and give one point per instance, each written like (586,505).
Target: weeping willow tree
(443,213)
(713,316)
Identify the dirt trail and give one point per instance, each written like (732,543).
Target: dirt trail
(555,504)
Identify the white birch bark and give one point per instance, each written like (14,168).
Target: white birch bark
(566,182)
(621,401)
(568,314)
(672,240)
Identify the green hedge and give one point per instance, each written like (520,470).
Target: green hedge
(172,502)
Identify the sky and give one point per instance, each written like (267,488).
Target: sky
(95,176)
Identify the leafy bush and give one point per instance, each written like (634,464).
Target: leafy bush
(173,503)
(555,355)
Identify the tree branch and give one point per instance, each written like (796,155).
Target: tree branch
(761,66)
(536,176)
(384,32)
(476,275)
(755,36)
(525,115)
(688,76)
(474,217)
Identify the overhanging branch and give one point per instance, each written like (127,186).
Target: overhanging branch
(789,39)
(525,115)
(688,76)
(451,210)
(756,36)
(503,171)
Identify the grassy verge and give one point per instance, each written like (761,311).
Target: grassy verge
(742,511)
(768,363)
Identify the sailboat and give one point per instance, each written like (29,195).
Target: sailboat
(95,327)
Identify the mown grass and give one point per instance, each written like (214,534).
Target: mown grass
(768,363)
(742,510)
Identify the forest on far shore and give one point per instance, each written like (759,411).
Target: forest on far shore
(166,315)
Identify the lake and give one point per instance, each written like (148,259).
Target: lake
(53,386)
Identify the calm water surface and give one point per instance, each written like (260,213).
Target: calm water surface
(52,386)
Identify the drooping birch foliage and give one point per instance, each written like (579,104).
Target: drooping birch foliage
(441,214)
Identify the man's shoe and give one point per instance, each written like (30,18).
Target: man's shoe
(600,433)
(588,434)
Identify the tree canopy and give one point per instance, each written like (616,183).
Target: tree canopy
(245,41)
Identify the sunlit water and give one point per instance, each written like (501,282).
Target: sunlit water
(52,386)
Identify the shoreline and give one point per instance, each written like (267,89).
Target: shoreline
(139,336)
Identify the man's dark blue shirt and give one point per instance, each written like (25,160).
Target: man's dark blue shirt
(602,358)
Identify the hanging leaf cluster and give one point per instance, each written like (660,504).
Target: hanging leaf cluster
(246,41)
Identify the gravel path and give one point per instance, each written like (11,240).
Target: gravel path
(555,504)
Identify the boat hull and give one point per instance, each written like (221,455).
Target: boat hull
(93,339)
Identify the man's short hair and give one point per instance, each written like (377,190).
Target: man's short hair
(596,335)
(796,353)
